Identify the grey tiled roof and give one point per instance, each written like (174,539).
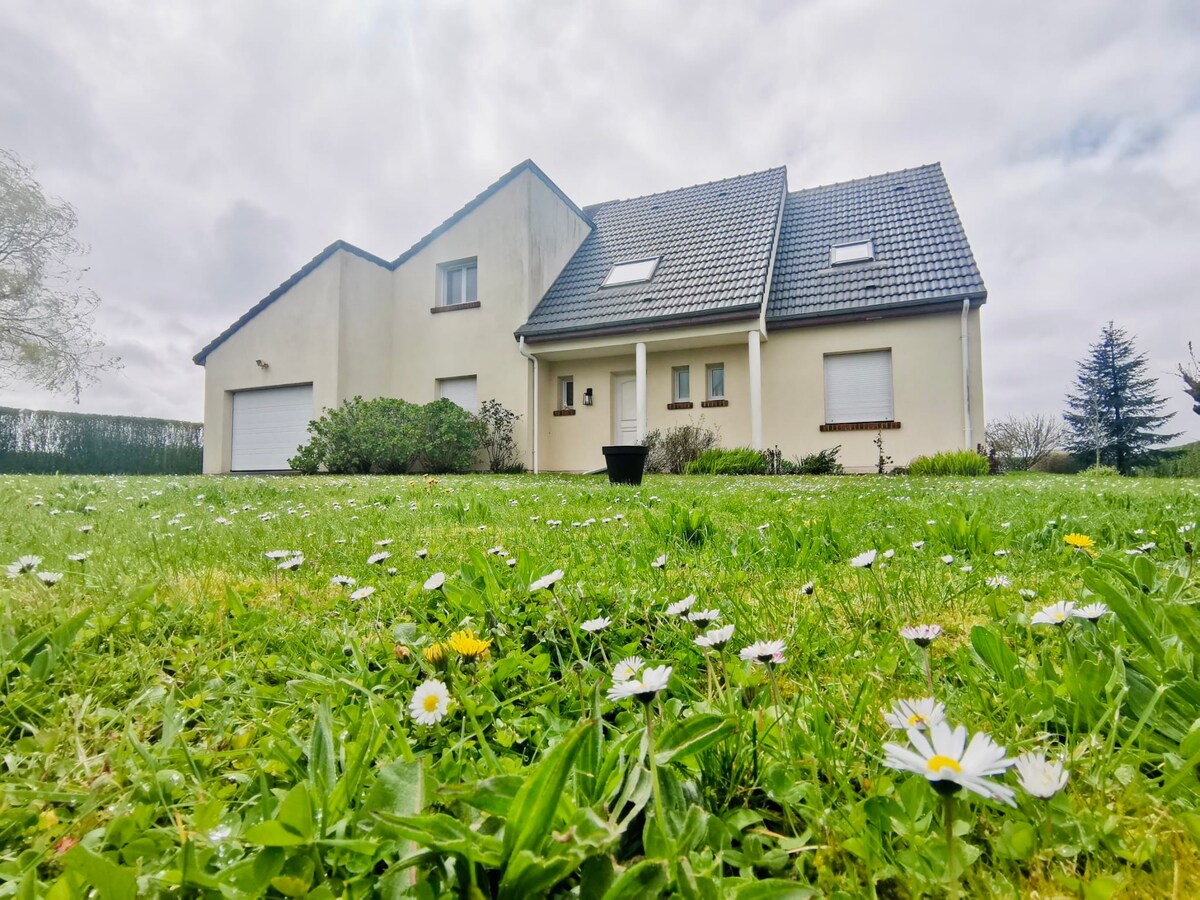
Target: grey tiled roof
(714,242)
(921,250)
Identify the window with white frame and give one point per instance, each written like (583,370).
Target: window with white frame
(681,384)
(463,391)
(566,392)
(459,282)
(715,376)
(858,387)
(631,272)
(851,252)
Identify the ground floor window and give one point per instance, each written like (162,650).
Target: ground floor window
(566,392)
(462,391)
(716,381)
(681,388)
(858,387)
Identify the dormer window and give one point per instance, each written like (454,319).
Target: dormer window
(631,272)
(857,251)
(460,283)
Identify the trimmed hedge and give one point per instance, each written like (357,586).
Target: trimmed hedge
(42,442)
(950,462)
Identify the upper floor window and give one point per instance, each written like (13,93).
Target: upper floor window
(856,251)
(858,387)
(716,381)
(460,283)
(631,272)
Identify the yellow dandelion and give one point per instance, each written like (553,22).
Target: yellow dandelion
(1079,541)
(435,654)
(465,644)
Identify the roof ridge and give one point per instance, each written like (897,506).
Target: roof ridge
(936,164)
(687,187)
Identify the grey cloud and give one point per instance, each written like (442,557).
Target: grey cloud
(212,150)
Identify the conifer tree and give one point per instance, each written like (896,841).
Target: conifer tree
(1115,412)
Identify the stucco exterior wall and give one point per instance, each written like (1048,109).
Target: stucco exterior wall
(573,443)
(365,333)
(297,336)
(519,235)
(926,387)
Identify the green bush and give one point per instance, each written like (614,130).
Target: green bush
(388,436)
(1182,462)
(1058,462)
(493,426)
(824,462)
(449,440)
(735,461)
(950,462)
(669,452)
(1101,472)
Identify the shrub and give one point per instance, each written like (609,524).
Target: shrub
(362,436)
(1058,463)
(824,462)
(950,462)
(493,426)
(670,451)
(735,461)
(388,436)
(448,440)
(1182,462)
(1100,472)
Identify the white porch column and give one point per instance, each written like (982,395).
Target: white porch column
(640,369)
(752,346)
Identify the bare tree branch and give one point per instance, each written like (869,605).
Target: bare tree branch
(1022,442)
(47,335)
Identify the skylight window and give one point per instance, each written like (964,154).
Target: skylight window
(858,251)
(631,272)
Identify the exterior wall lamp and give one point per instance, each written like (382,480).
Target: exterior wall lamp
(587,397)
(261,364)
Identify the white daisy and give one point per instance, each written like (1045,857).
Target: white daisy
(1054,614)
(762,651)
(435,581)
(79,557)
(681,606)
(379,557)
(921,635)
(917,545)
(717,638)
(281,554)
(23,564)
(50,578)
(1027,593)
(704,615)
(659,562)
(644,688)
(865,559)
(386,542)
(422,553)
(627,668)
(1000,553)
(343,580)
(430,702)
(362,593)
(84,529)
(888,554)
(546,582)
(1092,611)
(293,562)
(947,559)
(808,587)
(946,759)
(919,712)
(1039,776)
(999,581)
(597,624)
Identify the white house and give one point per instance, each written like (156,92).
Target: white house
(799,320)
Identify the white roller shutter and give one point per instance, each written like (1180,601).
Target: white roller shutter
(462,391)
(269,425)
(858,387)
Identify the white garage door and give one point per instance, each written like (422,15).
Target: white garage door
(268,427)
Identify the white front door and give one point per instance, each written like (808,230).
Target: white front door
(625,409)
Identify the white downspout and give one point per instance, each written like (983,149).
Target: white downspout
(536,380)
(968,435)
(755,364)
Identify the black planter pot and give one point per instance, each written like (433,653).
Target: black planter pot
(626,463)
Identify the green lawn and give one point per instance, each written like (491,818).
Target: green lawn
(182,716)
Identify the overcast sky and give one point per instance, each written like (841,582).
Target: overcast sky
(211,149)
